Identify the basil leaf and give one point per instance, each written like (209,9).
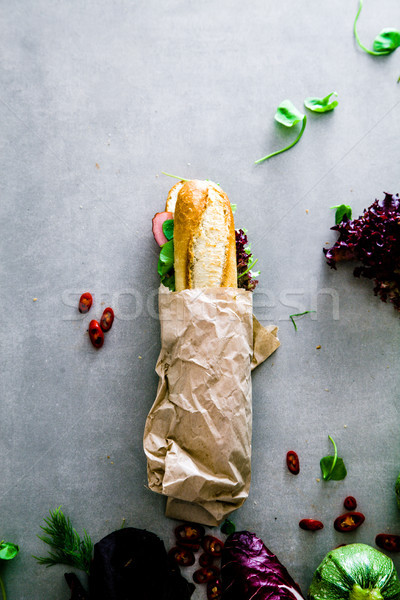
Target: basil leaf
(343,212)
(321,105)
(387,41)
(332,467)
(287,114)
(168,229)
(8,550)
(166,259)
(337,473)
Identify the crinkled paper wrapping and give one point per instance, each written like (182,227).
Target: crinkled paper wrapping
(197,437)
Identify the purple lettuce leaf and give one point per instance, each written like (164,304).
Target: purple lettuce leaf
(250,571)
(374,240)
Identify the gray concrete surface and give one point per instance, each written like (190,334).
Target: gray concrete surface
(97,99)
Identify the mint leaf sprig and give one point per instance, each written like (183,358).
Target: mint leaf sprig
(68,547)
(333,467)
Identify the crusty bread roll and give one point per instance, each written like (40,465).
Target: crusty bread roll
(204,237)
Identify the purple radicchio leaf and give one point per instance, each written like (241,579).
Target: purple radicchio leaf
(250,571)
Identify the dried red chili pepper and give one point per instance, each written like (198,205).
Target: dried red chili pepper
(96,335)
(183,557)
(206,560)
(293,463)
(206,574)
(189,535)
(85,302)
(311,524)
(107,319)
(214,590)
(349,521)
(212,545)
(388,541)
(350,503)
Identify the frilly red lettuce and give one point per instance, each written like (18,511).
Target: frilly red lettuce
(250,571)
(246,277)
(374,240)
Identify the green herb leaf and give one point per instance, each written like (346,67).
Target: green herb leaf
(233,207)
(69,548)
(169,281)
(321,105)
(387,41)
(8,550)
(306,312)
(332,467)
(166,259)
(168,229)
(342,211)
(288,115)
(228,527)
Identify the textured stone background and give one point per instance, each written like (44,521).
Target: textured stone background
(97,98)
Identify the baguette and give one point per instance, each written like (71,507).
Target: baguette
(204,236)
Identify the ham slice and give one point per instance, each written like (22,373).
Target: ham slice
(158,221)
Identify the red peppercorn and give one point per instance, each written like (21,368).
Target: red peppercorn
(388,541)
(349,521)
(96,335)
(293,463)
(212,545)
(214,590)
(85,302)
(311,524)
(350,503)
(107,319)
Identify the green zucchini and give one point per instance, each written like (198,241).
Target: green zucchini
(355,572)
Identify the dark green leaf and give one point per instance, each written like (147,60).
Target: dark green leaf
(228,527)
(387,41)
(342,211)
(169,281)
(339,471)
(321,105)
(332,467)
(166,259)
(8,550)
(168,229)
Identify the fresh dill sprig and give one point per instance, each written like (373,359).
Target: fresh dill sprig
(69,548)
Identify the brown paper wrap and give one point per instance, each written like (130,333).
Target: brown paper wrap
(197,437)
